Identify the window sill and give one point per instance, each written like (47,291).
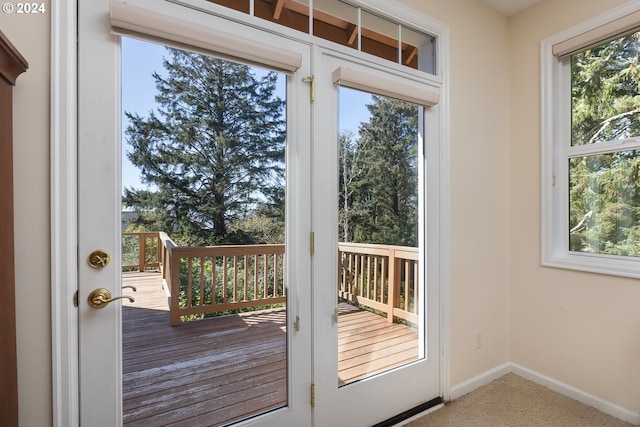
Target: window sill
(594,263)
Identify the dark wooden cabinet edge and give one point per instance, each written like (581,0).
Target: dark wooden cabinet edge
(12,64)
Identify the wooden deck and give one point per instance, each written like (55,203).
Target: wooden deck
(220,370)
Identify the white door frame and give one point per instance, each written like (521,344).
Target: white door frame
(64,200)
(64,206)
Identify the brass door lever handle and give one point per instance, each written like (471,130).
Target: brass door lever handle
(100,297)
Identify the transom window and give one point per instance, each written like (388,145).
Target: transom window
(347,25)
(591,148)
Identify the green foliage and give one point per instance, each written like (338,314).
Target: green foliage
(605,81)
(605,192)
(604,189)
(379,176)
(212,153)
(131,249)
(260,229)
(130,252)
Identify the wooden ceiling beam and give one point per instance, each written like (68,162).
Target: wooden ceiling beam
(352,34)
(412,54)
(278,9)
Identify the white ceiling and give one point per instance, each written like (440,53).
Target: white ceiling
(509,7)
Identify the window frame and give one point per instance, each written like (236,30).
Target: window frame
(556,149)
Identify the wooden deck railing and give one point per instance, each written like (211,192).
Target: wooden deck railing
(221,278)
(141,251)
(214,279)
(381,277)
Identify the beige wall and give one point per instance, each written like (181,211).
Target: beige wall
(480,253)
(581,329)
(30,35)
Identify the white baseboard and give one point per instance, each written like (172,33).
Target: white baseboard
(484,378)
(577,394)
(602,405)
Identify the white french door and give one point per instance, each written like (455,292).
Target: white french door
(99,229)
(315,344)
(358,364)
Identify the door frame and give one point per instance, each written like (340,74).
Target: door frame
(64,207)
(64,199)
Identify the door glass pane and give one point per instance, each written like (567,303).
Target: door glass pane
(205,342)
(378,282)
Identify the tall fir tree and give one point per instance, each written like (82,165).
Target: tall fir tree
(350,170)
(212,154)
(384,178)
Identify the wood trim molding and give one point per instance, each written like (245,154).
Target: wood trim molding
(12,64)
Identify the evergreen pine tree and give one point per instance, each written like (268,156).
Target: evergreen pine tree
(384,193)
(212,153)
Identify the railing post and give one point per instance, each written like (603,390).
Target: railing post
(393,285)
(163,263)
(174,277)
(158,250)
(142,251)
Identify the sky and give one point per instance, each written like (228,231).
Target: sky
(141,59)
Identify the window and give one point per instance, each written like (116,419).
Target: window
(349,25)
(591,145)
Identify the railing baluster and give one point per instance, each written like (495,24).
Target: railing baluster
(407,279)
(201,281)
(356,275)
(255,277)
(384,278)
(266,275)
(189,281)
(352,272)
(368,258)
(213,280)
(246,277)
(224,279)
(275,275)
(235,278)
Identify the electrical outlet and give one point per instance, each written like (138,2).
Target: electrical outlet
(478,337)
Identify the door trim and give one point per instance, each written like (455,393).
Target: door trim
(63,190)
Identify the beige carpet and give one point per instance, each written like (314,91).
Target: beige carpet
(513,401)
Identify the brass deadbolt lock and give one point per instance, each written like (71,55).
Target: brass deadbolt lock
(99,259)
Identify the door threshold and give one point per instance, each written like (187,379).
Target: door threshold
(408,415)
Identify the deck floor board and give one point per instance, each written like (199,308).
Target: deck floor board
(220,370)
